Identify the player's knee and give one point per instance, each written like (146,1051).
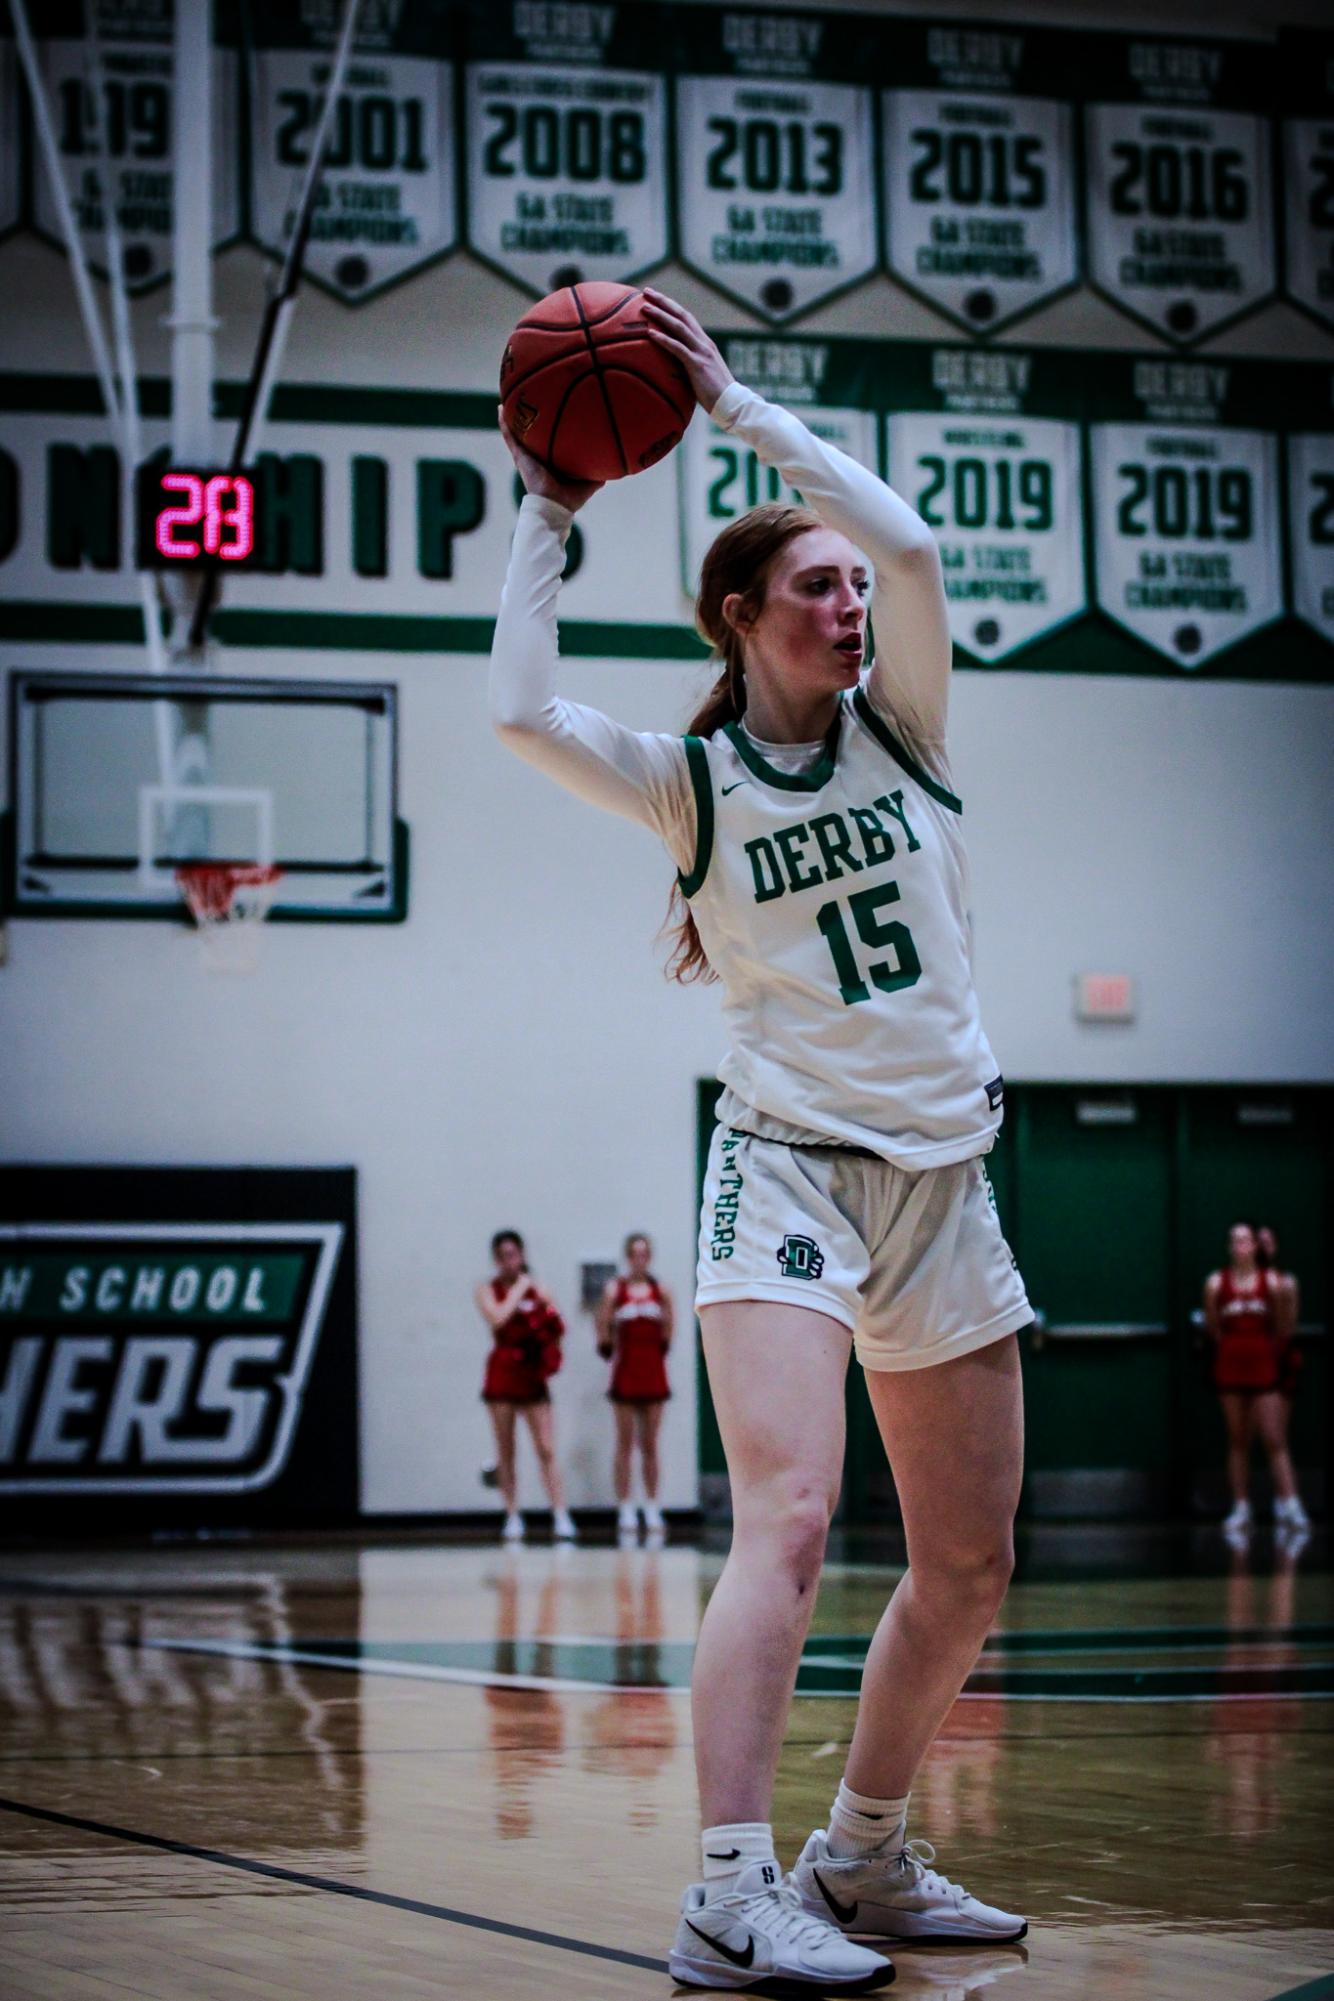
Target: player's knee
(794,1525)
(975,1571)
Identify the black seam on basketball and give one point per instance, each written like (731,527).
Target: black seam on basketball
(649,382)
(598,378)
(578,382)
(563,326)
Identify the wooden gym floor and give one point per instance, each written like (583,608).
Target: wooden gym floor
(389,1771)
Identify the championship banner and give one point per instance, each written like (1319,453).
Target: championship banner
(1311,513)
(978,165)
(986,445)
(108,71)
(775,154)
(1180,213)
(567,152)
(386,203)
(1187,537)
(177,1346)
(1306,67)
(721,478)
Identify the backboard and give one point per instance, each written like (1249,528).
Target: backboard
(116,779)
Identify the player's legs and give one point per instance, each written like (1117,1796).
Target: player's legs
(954,1435)
(648,1419)
(784,1452)
(502,1423)
(625,1439)
(1270,1422)
(1238,1416)
(541,1424)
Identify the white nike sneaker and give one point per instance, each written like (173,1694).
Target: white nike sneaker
(1291,1514)
(897,1895)
(759,1936)
(653,1519)
(562,1526)
(627,1521)
(513,1529)
(1239,1521)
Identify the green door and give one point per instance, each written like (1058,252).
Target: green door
(1090,1221)
(1257,1156)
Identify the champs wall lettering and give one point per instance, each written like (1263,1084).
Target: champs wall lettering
(1096,512)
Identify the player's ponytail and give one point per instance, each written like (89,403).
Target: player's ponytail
(737,563)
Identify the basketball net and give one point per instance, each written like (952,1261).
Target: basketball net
(228,902)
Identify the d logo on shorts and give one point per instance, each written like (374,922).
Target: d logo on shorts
(800,1257)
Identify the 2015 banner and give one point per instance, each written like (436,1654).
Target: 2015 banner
(109,77)
(978,168)
(387,201)
(566,121)
(1178,140)
(775,154)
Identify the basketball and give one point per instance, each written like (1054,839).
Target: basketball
(586,390)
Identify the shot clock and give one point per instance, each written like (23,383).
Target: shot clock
(192,518)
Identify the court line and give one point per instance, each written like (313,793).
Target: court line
(492,1678)
(331,1884)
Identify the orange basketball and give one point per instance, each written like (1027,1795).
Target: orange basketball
(586,390)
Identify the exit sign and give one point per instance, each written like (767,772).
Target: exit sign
(1104,997)
(191,518)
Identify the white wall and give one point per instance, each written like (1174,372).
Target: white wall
(512,1054)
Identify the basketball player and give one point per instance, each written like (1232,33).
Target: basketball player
(520,1315)
(811,815)
(634,1326)
(1246,1315)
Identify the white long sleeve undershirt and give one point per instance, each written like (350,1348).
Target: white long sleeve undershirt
(642,774)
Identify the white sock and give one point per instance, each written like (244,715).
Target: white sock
(729,1849)
(859,1825)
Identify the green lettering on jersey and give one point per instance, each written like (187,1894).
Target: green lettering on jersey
(834,839)
(893,804)
(877,841)
(788,841)
(764,868)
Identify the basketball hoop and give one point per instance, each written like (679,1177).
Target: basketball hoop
(228,902)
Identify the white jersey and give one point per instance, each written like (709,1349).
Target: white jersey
(830,894)
(832,904)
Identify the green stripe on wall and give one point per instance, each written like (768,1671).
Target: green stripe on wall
(293,402)
(360,632)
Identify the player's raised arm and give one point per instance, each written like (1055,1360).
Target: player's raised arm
(638,774)
(910,677)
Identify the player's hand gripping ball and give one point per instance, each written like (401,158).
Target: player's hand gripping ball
(586,391)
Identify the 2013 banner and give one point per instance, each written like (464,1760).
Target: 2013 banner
(978,168)
(1179,197)
(566,120)
(387,201)
(775,154)
(109,78)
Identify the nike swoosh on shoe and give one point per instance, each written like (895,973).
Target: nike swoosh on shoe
(845,1913)
(743,1959)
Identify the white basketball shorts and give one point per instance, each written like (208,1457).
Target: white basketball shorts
(914,1264)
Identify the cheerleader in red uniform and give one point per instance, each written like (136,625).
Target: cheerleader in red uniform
(526,1330)
(634,1325)
(1243,1314)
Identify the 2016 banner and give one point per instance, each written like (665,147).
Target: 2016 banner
(978,169)
(109,78)
(1178,143)
(775,154)
(566,119)
(387,202)
(1307,71)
